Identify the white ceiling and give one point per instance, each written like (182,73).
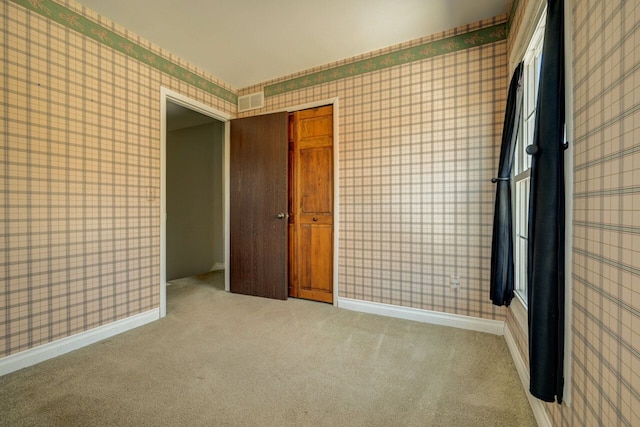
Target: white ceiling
(244,42)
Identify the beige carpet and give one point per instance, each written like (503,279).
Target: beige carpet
(220,359)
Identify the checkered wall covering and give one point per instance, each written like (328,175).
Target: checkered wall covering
(79,178)
(605,330)
(79,147)
(418,145)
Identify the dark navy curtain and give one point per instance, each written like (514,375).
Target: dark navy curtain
(502,244)
(546,218)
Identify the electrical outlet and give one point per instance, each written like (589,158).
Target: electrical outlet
(454,281)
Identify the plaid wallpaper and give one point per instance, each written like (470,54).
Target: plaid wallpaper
(418,147)
(80,177)
(605,366)
(418,144)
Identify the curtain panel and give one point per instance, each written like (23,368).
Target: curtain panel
(546,218)
(502,275)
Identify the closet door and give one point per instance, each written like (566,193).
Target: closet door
(258,206)
(312,203)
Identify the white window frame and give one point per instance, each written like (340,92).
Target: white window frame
(521,172)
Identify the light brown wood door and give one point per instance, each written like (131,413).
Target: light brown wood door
(311,204)
(258,206)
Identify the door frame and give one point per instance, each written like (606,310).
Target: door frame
(336,180)
(192,104)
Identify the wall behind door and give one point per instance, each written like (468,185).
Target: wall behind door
(195,239)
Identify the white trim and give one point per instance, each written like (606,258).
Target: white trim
(227,204)
(59,347)
(495,327)
(540,414)
(336,201)
(163,202)
(336,180)
(192,104)
(527,27)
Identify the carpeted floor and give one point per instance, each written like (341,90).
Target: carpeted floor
(220,359)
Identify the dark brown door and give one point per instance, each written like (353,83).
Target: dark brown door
(258,206)
(311,204)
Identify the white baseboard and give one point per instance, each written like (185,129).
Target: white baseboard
(542,418)
(56,348)
(495,327)
(217,266)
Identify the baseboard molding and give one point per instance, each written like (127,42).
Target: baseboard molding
(48,351)
(541,415)
(217,266)
(495,327)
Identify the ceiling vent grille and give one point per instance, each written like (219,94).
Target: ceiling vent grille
(251,101)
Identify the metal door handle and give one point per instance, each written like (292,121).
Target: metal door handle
(281,215)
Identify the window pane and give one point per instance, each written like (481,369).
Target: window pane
(522,225)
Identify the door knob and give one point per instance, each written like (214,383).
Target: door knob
(281,215)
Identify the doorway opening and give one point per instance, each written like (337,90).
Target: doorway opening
(193,190)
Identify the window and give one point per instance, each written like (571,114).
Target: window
(532,58)
(522,162)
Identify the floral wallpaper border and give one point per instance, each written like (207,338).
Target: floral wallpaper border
(70,19)
(455,43)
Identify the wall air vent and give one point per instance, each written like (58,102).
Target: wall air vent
(250,102)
